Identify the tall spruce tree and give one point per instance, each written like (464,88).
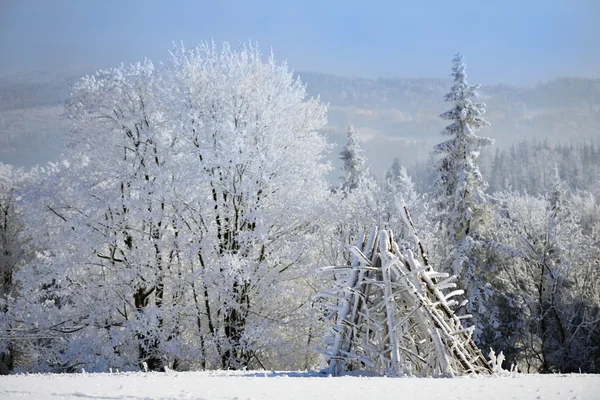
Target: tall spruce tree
(459,187)
(355,169)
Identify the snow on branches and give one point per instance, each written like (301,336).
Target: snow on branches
(391,315)
(173,233)
(459,186)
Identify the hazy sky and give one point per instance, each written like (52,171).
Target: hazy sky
(507,41)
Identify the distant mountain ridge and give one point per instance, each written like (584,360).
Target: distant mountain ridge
(394,117)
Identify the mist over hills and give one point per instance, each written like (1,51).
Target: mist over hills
(400,117)
(393,117)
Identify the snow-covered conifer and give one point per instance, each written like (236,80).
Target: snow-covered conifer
(397,188)
(355,169)
(398,179)
(459,186)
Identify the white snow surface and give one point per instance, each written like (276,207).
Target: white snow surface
(292,385)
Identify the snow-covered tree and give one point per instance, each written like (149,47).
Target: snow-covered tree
(261,162)
(398,196)
(104,220)
(400,182)
(398,187)
(459,187)
(13,255)
(588,208)
(176,232)
(549,269)
(353,206)
(355,169)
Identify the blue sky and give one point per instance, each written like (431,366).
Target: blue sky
(518,42)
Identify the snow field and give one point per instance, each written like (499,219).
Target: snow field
(257,385)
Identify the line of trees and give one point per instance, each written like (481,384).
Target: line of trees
(529,166)
(185,225)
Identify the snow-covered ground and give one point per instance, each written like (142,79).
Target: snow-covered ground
(293,385)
